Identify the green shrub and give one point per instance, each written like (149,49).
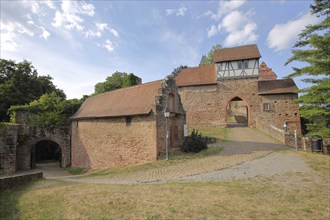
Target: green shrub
(194,143)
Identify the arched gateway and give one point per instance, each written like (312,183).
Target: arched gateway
(236,90)
(237,113)
(39,145)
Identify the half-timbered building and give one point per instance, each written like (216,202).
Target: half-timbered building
(236,90)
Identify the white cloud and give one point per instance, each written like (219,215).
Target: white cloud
(238,25)
(181,11)
(233,21)
(91,34)
(7,41)
(225,7)
(242,36)
(169,11)
(114,32)
(108,45)
(19,18)
(45,34)
(283,35)
(178,12)
(100,28)
(70,17)
(211,31)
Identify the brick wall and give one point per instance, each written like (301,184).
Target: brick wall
(207,105)
(111,143)
(283,108)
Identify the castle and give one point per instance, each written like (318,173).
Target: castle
(128,126)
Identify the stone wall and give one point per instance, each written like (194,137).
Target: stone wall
(10,182)
(207,105)
(177,117)
(8,144)
(283,108)
(30,135)
(306,145)
(111,142)
(17,142)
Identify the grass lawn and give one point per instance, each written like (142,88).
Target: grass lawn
(287,196)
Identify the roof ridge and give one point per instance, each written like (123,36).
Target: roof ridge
(127,88)
(238,46)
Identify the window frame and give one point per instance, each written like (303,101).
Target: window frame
(266,107)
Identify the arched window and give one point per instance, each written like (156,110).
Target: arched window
(171,102)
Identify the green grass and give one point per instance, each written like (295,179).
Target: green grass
(75,170)
(294,196)
(286,196)
(319,162)
(219,133)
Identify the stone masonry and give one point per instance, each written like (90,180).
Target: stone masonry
(18,141)
(119,138)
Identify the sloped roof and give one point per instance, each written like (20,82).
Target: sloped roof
(279,86)
(135,100)
(236,53)
(201,75)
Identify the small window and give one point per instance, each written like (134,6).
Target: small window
(246,64)
(128,120)
(239,65)
(266,107)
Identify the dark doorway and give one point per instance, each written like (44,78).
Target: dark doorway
(46,152)
(237,113)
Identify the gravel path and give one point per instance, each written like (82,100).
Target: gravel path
(272,164)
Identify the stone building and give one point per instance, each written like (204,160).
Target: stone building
(207,91)
(23,146)
(127,126)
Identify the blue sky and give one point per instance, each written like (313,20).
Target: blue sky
(80,43)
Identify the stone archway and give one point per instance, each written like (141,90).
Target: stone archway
(237,113)
(46,151)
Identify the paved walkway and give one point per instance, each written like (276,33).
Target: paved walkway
(244,144)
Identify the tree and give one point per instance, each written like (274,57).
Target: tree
(313,48)
(20,84)
(209,59)
(116,81)
(50,111)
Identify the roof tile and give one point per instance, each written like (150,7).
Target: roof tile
(201,75)
(236,53)
(134,100)
(279,86)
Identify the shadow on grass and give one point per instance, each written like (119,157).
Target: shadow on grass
(9,200)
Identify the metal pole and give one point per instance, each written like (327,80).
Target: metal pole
(295,140)
(167,157)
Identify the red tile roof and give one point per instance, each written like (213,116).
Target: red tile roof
(135,100)
(280,86)
(201,75)
(237,53)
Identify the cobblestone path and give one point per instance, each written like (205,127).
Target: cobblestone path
(243,144)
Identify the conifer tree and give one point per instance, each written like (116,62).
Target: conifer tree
(313,48)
